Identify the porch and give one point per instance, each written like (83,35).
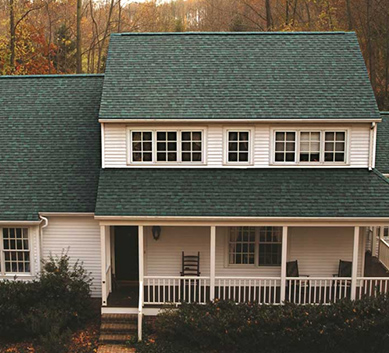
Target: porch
(263,264)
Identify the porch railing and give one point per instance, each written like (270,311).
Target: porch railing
(372,286)
(175,290)
(248,289)
(317,290)
(383,253)
(160,290)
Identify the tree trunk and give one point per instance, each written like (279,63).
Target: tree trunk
(349,16)
(12,35)
(369,43)
(119,16)
(287,13)
(269,21)
(387,59)
(78,39)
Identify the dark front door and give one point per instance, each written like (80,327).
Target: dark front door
(126,253)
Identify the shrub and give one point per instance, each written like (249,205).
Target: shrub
(49,307)
(360,326)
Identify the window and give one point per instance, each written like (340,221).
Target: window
(242,245)
(285,147)
(166,146)
(191,146)
(142,146)
(335,146)
(270,246)
(259,246)
(238,146)
(16,251)
(310,147)
(158,146)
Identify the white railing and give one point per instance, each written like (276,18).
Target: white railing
(140,311)
(176,289)
(372,286)
(317,290)
(248,289)
(383,253)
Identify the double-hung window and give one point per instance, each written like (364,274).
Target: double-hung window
(166,146)
(257,246)
(15,251)
(307,147)
(238,146)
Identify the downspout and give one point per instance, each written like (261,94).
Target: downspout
(373,129)
(40,247)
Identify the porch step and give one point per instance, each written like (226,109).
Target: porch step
(118,328)
(115,327)
(119,318)
(115,338)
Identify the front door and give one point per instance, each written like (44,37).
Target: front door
(126,253)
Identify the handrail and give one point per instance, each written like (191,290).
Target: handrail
(108,268)
(140,311)
(175,277)
(383,253)
(385,242)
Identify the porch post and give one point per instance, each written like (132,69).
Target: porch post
(141,253)
(354,272)
(103,267)
(284,255)
(212,261)
(374,242)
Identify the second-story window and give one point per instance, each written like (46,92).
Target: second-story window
(285,146)
(238,146)
(166,146)
(335,146)
(310,146)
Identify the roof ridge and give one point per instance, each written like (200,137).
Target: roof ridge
(51,76)
(230,33)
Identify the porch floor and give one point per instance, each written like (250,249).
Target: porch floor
(125,295)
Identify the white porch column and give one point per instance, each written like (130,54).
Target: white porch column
(354,272)
(284,255)
(141,252)
(212,262)
(374,242)
(104,293)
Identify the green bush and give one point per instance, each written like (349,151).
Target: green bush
(48,307)
(360,326)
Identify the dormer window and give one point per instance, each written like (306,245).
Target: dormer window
(166,146)
(238,149)
(309,147)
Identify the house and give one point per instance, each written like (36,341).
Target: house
(254,162)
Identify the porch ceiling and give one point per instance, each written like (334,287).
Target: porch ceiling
(284,192)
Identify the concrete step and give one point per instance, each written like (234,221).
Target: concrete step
(115,338)
(118,328)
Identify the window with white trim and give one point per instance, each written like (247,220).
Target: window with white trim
(285,146)
(142,146)
(238,146)
(166,146)
(335,146)
(258,246)
(310,147)
(15,251)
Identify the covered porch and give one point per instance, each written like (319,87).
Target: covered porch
(265,263)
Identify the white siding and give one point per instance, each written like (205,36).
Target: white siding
(115,142)
(80,236)
(318,251)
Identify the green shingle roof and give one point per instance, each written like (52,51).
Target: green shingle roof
(50,145)
(271,192)
(236,75)
(382,152)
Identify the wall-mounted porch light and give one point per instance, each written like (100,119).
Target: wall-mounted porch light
(156,232)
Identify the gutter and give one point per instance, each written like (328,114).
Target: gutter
(40,239)
(372,147)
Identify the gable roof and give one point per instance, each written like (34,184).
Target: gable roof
(50,144)
(382,152)
(260,75)
(270,192)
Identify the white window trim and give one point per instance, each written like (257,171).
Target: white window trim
(322,146)
(4,274)
(255,265)
(154,161)
(251,131)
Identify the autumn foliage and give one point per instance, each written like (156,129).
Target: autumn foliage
(68,36)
